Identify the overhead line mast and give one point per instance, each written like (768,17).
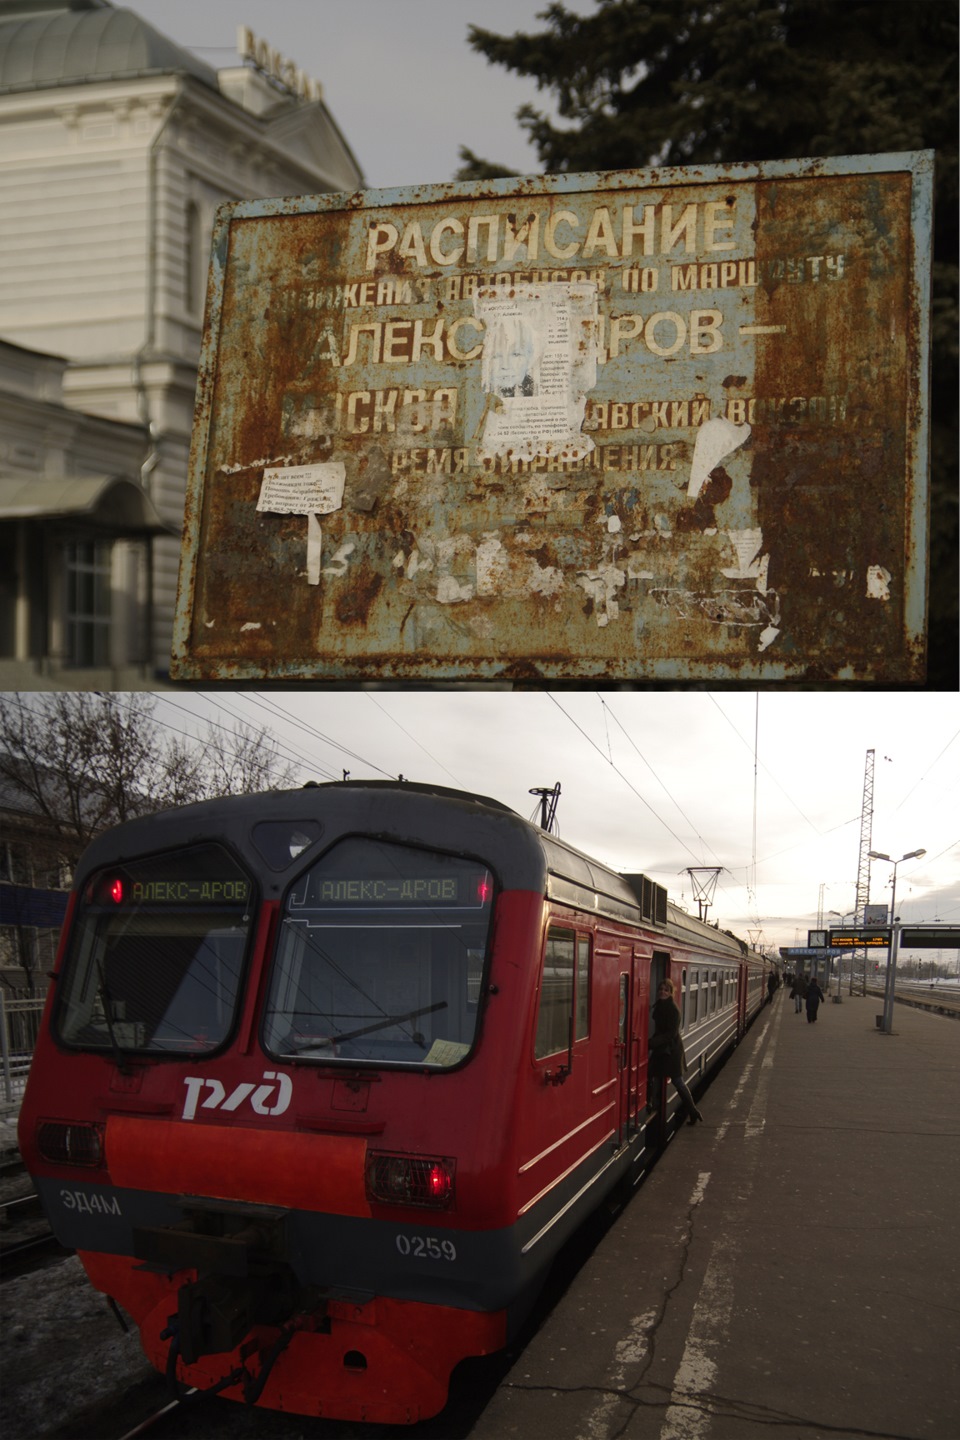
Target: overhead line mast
(863,871)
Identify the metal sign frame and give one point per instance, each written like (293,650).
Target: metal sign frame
(664,425)
(930,937)
(859,939)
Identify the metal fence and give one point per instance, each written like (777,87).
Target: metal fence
(20,1012)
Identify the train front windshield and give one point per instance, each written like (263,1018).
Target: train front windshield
(156,955)
(381,958)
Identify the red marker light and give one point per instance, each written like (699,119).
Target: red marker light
(410,1179)
(439,1183)
(484,890)
(116,891)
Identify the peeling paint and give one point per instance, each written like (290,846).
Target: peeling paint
(601,586)
(339,564)
(451,592)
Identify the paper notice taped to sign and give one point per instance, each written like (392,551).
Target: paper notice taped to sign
(309,490)
(303,489)
(539,361)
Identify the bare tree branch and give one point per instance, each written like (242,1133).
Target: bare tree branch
(83,761)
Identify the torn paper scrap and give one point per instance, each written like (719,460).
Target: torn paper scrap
(751,564)
(716,439)
(878,583)
(310,490)
(539,360)
(314,548)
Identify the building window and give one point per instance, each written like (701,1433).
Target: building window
(15,865)
(88,603)
(195,260)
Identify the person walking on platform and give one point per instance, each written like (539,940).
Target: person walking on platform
(666,1048)
(814,996)
(798,991)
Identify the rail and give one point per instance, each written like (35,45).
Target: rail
(939,1000)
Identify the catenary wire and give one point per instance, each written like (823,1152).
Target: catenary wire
(416,742)
(608,711)
(629,784)
(271,706)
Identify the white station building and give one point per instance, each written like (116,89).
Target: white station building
(116,147)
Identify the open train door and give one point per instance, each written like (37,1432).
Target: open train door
(631,1064)
(655,1088)
(742,999)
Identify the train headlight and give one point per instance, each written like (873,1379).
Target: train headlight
(410,1179)
(65,1143)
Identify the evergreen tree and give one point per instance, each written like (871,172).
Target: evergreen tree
(679,82)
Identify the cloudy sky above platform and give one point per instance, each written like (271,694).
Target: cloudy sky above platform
(769,787)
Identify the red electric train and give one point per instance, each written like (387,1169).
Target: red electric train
(327,1076)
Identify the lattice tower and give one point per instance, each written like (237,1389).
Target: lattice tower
(866,840)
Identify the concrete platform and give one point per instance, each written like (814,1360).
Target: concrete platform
(792,1267)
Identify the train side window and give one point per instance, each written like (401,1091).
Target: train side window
(556,993)
(584,958)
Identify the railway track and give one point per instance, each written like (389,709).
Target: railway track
(26,1240)
(145,1425)
(937,1001)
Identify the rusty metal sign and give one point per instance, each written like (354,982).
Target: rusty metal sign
(662,425)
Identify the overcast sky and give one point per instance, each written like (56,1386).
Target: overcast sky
(398,75)
(658,782)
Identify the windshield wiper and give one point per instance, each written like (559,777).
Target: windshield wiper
(369,1029)
(119,1058)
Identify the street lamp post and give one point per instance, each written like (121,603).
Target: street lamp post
(889,988)
(839,995)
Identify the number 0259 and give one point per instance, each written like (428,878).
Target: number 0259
(426,1247)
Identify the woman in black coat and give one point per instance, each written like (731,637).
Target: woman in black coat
(666,1048)
(814,996)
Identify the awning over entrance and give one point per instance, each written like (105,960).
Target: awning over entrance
(109,503)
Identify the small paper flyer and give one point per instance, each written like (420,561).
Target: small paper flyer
(303,489)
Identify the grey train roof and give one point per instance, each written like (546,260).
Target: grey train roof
(533,859)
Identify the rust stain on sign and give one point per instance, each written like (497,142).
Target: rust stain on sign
(659,425)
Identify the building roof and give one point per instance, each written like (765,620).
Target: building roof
(111,503)
(45,45)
